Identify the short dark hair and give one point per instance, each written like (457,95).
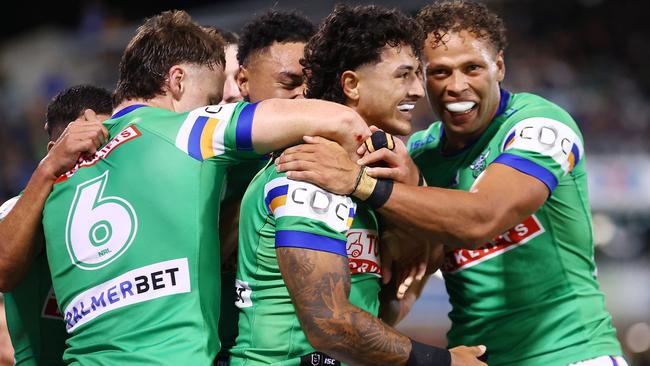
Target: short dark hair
(273,26)
(69,104)
(350,37)
(443,17)
(162,41)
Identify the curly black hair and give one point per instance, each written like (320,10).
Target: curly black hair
(443,17)
(351,37)
(273,26)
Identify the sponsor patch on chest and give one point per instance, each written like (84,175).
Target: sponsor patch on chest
(363,251)
(136,286)
(460,259)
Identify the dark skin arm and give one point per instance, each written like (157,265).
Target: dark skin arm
(21,234)
(500,199)
(319,285)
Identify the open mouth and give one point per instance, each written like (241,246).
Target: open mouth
(405,108)
(460,107)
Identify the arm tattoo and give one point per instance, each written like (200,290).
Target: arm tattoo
(319,284)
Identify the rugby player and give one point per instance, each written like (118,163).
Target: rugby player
(231,93)
(293,277)
(130,232)
(508,198)
(273,44)
(270,48)
(35,325)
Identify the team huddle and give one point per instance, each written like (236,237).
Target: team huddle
(241,200)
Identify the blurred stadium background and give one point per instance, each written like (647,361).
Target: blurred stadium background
(589,56)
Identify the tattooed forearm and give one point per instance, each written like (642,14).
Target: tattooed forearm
(319,284)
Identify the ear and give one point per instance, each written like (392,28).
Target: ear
(501,66)
(350,86)
(242,81)
(176,83)
(50,145)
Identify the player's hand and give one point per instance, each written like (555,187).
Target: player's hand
(393,310)
(321,162)
(404,254)
(82,137)
(467,356)
(399,166)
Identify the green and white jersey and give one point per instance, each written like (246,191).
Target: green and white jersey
(531,294)
(278,212)
(35,324)
(132,236)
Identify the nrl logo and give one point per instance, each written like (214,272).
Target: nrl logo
(479,164)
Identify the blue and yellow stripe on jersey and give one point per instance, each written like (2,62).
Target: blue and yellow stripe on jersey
(351,217)
(217,129)
(200,144)
(574,157)
(509,140)
(276,197)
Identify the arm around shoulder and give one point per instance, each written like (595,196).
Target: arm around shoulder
(279,123)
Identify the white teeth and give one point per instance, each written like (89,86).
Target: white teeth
(460,107)
(405,107)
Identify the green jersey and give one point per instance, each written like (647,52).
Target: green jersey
(132,236)
(35,324)
(363,256)
(531,294)
(283,213)
(237,179)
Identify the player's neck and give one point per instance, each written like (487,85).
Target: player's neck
(158,102)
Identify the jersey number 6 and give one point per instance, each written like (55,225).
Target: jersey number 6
(99,229)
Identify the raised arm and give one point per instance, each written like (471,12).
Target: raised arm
(279,123)
(21,231)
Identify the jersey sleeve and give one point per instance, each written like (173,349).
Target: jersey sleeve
(544,148)
(7,207)
(423,139)
(307,216)
(219,132)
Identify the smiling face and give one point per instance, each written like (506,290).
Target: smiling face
(462,76)
(274,72)
(386,91)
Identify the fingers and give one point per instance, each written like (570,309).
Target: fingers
(479,350)
(381,155)
(304,148)
(404,286)
(297,156)
(296,166)
(421,271)
(385,173)
(306,176)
